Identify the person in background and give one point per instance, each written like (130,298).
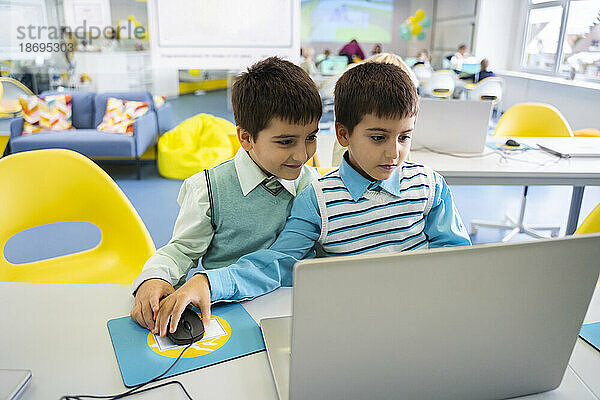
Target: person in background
(351,50)
(422,68)
(324,56)
(457,59)
(308,65)
(377,49)
(422,58)
(484,72)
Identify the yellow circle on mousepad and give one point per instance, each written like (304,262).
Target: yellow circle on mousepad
(217,335)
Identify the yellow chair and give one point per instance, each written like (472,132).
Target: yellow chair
(591,224)
(198,143)
(10,91)
(440,84)
(490,88)
(527,120)
(55,185)
(587,132)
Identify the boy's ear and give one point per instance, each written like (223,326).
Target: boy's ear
(244,137)
(342,134)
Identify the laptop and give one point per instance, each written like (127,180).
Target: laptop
(452,126)
(482,322)
(570,147)
(333,65)
(13,383)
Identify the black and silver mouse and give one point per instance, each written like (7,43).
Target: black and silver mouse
(512,143)
(189,323)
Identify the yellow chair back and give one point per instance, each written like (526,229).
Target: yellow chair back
(10,91)
(533,120)
(587,132)
(591,224)
(55,185)
(440,84)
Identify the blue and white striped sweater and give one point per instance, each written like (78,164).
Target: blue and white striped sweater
(378,222)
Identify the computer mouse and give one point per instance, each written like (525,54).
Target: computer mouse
(512,143)
(189,322)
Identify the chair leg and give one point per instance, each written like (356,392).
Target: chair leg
(510,235)
(533,233)
(138,168)
(516,225)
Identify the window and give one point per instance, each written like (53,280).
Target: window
(563,38)
(541,44)
(581,46)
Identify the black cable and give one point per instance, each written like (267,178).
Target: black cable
(135,390)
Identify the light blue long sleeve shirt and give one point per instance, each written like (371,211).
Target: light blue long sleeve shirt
(265,270)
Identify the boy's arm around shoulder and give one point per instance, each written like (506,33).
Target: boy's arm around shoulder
(192,235)
(265,270)
(443,225)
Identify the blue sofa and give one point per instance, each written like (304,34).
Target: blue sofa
(87,112)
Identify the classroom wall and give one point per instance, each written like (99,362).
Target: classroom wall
(453,24)
(498,32)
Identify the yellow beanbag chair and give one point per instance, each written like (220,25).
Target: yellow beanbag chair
(198,143)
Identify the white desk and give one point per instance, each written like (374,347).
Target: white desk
(59,332)
(533,167)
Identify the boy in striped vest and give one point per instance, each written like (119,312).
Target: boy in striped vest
(240,205)
(375,202)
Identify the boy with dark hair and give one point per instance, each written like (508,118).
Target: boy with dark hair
(484,72)
(240,205)
(375,202)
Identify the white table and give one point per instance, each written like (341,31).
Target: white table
(532,167)
(59,332)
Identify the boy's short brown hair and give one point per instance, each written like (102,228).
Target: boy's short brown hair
(382,89)
(274,88)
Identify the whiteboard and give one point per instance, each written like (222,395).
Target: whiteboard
(222,34)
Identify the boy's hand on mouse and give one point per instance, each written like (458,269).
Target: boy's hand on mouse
(147,300)
(195,291)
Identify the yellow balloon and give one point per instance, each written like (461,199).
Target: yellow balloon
(419,15)
(416,29)
(411,20)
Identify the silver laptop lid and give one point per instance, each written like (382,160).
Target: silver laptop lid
(455,126)
(13,383)
(483,322)
(571,146)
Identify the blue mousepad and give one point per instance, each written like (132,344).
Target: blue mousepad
(591,334)
(142,356)
(502,146)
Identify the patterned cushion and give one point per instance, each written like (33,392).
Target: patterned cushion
(50,113)
(159,101)
(120,115)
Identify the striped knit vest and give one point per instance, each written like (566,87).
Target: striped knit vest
(378,222)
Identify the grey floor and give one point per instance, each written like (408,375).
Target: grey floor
(155,197)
